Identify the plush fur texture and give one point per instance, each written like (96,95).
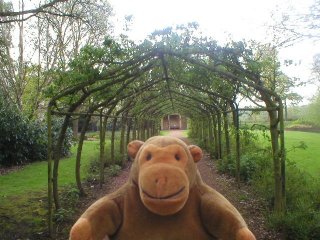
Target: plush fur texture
(164,199)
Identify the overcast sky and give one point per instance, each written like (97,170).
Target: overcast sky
(222,20)
(241,19)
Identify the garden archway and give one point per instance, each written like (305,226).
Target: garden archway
(170,73)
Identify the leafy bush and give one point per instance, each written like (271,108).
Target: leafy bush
(302,219)
(68,141)
(94,170)
(119,158)
(24,141)
(113,170)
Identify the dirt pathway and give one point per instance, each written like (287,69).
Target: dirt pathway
(248,205)
(243,199)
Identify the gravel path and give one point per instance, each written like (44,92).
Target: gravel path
(245,201)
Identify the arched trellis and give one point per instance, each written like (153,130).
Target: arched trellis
(146,88)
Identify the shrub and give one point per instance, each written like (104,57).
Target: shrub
(24,141)
(119,159)
(94,170)
(302,219)
(113,170)
(68,140)
(18,142)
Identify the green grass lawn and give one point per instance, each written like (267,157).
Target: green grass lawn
(34,177)
(167,132)
(307,159)
(23,193)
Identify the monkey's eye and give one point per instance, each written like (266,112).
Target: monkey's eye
(149,156)
(177,157)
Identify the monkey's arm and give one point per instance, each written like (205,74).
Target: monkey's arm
(99,221)
(222,219)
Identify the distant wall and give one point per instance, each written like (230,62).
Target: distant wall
(174,121)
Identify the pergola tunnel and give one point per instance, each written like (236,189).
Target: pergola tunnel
(159,88)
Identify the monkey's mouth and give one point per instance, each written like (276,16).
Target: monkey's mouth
(169,196)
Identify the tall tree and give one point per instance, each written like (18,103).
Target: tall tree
(316,67)
(54,39)
(293,25)
(15,16)
(13,71)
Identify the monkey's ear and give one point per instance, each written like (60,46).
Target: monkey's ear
(133,148)
(196,152)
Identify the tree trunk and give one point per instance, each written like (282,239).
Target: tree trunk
(226,134)
(282,155)
(143,130)
(134,130)
(219,136)
(123,129)
(114,124)
(79,151)
(103,127)
(50,154)
(129,126)
(148,124)
(211,137)
(20,84)
(75,126)
(215,133)
(57,156)
(278,181)
(235,113)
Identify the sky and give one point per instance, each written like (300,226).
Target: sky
(222,20)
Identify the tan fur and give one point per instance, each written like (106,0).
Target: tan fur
(164,199)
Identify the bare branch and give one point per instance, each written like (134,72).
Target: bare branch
(31,11)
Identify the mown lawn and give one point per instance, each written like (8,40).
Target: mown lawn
(23,194)
(167,132)
(307,159)
(34,177)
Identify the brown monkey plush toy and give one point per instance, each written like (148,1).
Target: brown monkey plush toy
(164,199)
